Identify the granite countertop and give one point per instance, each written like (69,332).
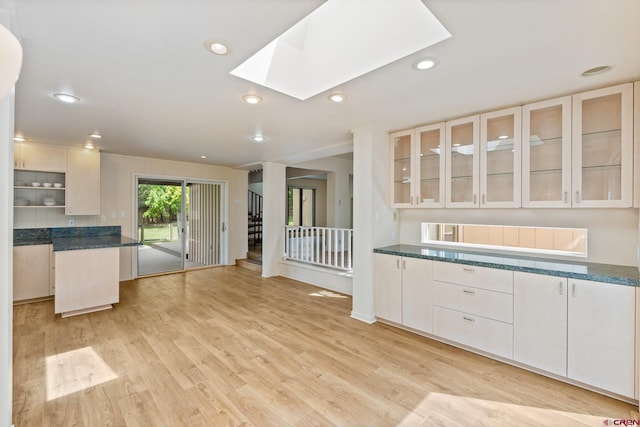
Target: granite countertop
(73,238)
(616,274)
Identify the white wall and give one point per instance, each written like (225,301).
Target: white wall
(612,238)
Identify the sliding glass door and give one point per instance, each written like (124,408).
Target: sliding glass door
(180,223)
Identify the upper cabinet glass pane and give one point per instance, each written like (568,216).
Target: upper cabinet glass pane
(402,169)
(500,152)
(602,148)
(462,159)
(430,153)
(545,154)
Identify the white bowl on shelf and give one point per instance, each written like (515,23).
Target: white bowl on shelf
(49,201)
(57,185)
(46,184)
(35,184)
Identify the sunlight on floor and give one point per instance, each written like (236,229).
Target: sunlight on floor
(75,370)
(327,294)
(487,412)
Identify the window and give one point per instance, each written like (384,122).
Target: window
(301,206)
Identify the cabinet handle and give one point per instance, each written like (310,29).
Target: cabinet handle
(474,199)
(411,201)
(573,290)
(565,196)
(470,270)
(577,196)
(404,264)
(398,263)
(468,319)
(560,288)
(15,164)
(483,199)
(468,292)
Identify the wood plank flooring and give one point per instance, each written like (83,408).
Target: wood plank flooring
(224,346)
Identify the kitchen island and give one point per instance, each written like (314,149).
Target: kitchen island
(86,264)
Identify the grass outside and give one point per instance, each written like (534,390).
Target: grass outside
(154,233)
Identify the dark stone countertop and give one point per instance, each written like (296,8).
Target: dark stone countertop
(73,238)
(616,274)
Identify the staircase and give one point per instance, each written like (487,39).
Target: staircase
(254,225)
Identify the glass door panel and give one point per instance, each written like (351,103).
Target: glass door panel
(160,226)
(402,168)
(500,162)
(431,165)
(462,171)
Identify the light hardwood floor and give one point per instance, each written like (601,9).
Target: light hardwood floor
(224,346)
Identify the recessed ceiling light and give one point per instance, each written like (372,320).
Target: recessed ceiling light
(203,157)
(503,137)
(65,97)
(95,135)
(216,47)
(89,145)
(252,99)
(19,138)
(425,64)
(337,97)
(596,70)
(258,138)
(455,145)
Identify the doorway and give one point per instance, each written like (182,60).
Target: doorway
(301,206)
(180,224)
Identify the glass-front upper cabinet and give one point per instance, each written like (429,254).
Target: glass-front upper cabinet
(546,154)
(401,144)
(602,167)
(500,161)
(418,167)
(462,162)
(430,166)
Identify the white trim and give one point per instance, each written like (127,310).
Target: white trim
(364,318)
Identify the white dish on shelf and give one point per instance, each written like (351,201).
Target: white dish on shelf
(57,185)
(35,184)
(49,203)
(46,184)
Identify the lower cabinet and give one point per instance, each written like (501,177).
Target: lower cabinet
(31,272)
(576,328)
(402,291)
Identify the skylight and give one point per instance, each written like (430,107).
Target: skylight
(341,40)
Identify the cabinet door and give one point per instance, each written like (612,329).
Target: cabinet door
(387,284)
(462,159)
(601,335)
(546,154)
(417,294)
(39,157)
(540,321)
(603,147)
(31,271)
(430,166)
(636,144)
(401,148)
(500,161)
(83,182)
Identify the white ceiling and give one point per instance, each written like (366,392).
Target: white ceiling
(150,87)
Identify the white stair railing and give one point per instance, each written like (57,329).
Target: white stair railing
(323,246)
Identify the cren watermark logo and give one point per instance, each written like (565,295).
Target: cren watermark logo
(618,422)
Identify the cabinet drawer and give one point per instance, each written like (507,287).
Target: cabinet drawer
(479,277)
(475,331)
(480,302)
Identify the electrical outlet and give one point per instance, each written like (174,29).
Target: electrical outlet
(122,214)
(72,222)
(103,218)
(113,214)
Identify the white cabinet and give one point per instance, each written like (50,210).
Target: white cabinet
(540,321)
(546,154)
(602,158)
(636,144)
(462,162)
(500,158)
(418,167)
(39,157)
(601,335)
(474,306)
(83,182)
(402,290)
(31,272)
